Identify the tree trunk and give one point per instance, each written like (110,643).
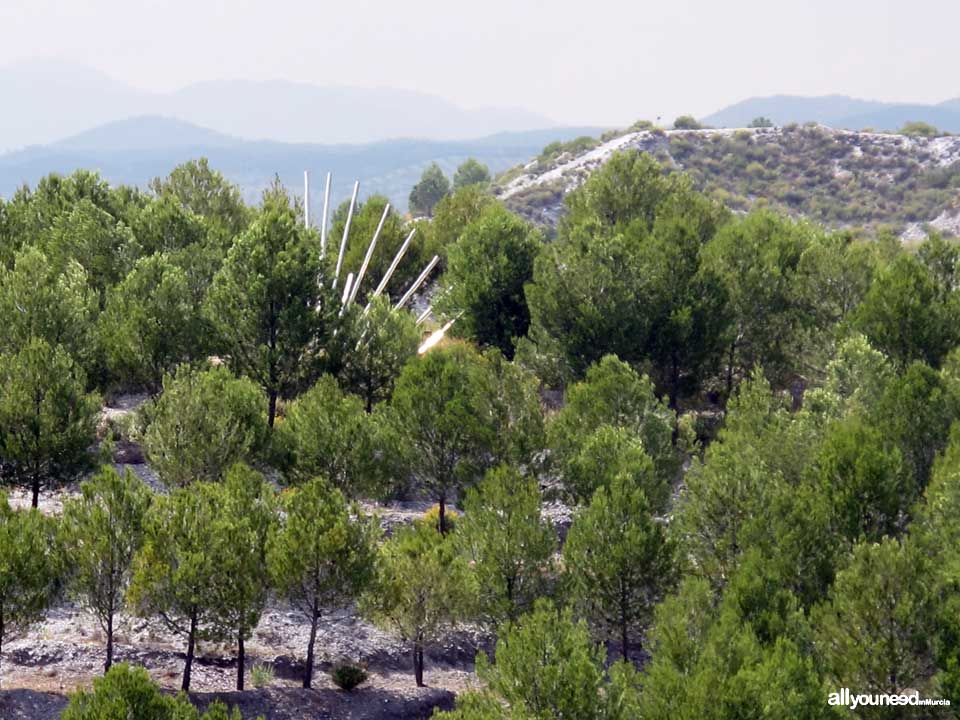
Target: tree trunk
(624,641)
(109,660)
(241,660)
(191,643)
(418,662)
(272,412)
(36,489)
(443,515)
(308,672)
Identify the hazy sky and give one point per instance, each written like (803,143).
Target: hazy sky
(576,61)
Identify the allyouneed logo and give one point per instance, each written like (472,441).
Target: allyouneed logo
(853,701)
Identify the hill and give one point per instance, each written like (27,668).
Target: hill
(55,99)
(838,177)
(837,111)
(134,151)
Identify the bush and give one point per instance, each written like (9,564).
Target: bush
(261,675)
(347,677)
(686,122)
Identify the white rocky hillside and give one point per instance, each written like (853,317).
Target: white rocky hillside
(840,177)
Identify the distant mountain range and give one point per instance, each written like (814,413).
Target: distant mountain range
(45,101)
(837,111)
(136,150)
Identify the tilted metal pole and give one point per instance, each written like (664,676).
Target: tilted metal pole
(323,226)
(393,265)
(366,258)
(346,232)
(346,292)
(417,283)
(424,315)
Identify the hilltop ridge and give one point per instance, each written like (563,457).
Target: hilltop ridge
(841,178)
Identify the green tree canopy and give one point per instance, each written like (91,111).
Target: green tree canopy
(431,189)
(321,556)
(421,588)
(618,561)
(31,566)
(180,573)
(385,340)
(487,269)
(129,692)
(471,172)
(613,394)
(47,419)
(330,436)
(37,301)
(272,306)
(508,543)
(442,413)
(203,422)
(151,323)
(103,530)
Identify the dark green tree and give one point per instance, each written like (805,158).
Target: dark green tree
(613,394)
(874,632)
(31,566)
(203,422)
(487,268)
(180,573)
(329,436)
(249,510)
(422,586)
(471,172)
(272,306)
(151,323)
(431,189)
(47,419)
(102,531)
(129,692)
(385,340)
(618,561)
(321,555)
(906,316)
(205,192)
(442,413)
(36,301)
(508,543)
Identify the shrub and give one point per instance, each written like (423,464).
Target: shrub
(347,677)
(686,122)
(261,675)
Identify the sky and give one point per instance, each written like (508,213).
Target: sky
(580,63)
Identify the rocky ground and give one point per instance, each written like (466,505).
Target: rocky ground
(66,650)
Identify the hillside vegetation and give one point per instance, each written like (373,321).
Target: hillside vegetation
(838,177)
(673,462)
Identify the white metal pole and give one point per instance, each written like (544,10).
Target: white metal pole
(393,265)
(346,232)
(346,292)
(417,283)
(323,227)
(306,199)
(424,315)
(366,258)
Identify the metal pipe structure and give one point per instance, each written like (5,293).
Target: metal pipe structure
(366,258)
(436,337)
(393,265)
(417,283)
(323,226)
(346,293)
(306,199)
(424,315)
(346,232)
